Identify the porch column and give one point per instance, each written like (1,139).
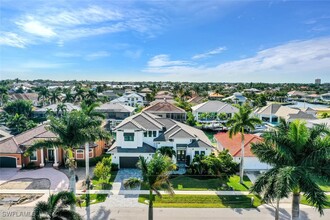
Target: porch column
(42,163)
(87,159)
(55,158)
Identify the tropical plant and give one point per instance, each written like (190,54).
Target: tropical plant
(102,171)
(69,97)
(155,175)
(3,95)
(299,157)
(167,151)
(55,96)
(72,130)
(43,94)
(190,119)
(89,110)
(61,109)
(239,123)
(80,93)
(56,208)
(21,107)
(19,123)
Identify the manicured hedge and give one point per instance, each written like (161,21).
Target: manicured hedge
(92,161)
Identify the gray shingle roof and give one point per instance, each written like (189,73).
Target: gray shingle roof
(114,107)
(215,106)
(146,148)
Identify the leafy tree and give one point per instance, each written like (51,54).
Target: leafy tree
(155,175)
(299,157)
(3,95)
(190,119)
(102,171)
(56,208)
(239,123)
(222,116)
(61,109)
(325,115)
(19,123)
(20,107)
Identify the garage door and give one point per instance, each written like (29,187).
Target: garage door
(128,162)
(7,162)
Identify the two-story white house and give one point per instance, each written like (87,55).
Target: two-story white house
(142,134)
(130,99)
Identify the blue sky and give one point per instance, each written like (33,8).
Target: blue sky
(219,41)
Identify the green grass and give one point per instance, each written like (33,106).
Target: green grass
(197,183)
(94,199)
(325,186)
(304,201)
(203,201)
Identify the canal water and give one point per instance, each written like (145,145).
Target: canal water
(306,105)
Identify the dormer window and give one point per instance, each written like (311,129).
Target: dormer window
(128,136)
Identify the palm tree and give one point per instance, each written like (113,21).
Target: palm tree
(155,175)
(55,96)
(299,157)
(68,95)
(80,93)
(43,94)
(3,95)
(240,122)
(72,130)
(167,151)
(61,109)
(56,208)
(90,110)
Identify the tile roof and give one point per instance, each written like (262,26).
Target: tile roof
(164,107)
(69,107)
(215,106)
(234,144)
(114,107)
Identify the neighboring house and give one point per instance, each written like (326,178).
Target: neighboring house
(251,90)
(325,97)
(146,90)
(131,99)
(115,112)
(296,94)
(196,100)
(312,123)
(213,107)
(215,96)
(273,112)
(142,134)
(33,97)
(41,112)
(4,135)
(236,98)
(167,110)
(313,97)
(12,150)
(233,145)
(110,94)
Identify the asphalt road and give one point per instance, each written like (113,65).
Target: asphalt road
(102,213)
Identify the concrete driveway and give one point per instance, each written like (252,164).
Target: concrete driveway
(58,180)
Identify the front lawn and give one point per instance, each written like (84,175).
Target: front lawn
(323,185)
(188,183)
(202,201)
(94,199)
(304,201)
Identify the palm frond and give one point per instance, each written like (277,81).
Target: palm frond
(40,208)
(132,182)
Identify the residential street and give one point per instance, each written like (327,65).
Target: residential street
(100,212)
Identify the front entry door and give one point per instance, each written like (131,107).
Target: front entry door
(181,155)
(50,155)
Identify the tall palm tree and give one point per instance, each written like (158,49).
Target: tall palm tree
(80,93)
(72,130)
(61,109)
(299,157)
(155,174)
(239,123)
(89,109)
(69,97)
(55,96)
(167,151)
(3,95)
(43,94)
(56,208)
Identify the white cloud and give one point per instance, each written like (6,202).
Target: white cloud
(163,60)
(209,53)
(97,55)
(12,39)
(36,28)
(285,62)
(37,64)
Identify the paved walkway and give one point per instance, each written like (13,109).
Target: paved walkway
(117,196)
(58,180)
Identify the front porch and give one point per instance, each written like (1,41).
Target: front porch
(50,157)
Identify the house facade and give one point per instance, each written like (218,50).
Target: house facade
(236,98)
(13,148)
(213,108)
(233,145)
(41,112)
(142,134)
(130,99)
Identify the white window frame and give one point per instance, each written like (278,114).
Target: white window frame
(36,153)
